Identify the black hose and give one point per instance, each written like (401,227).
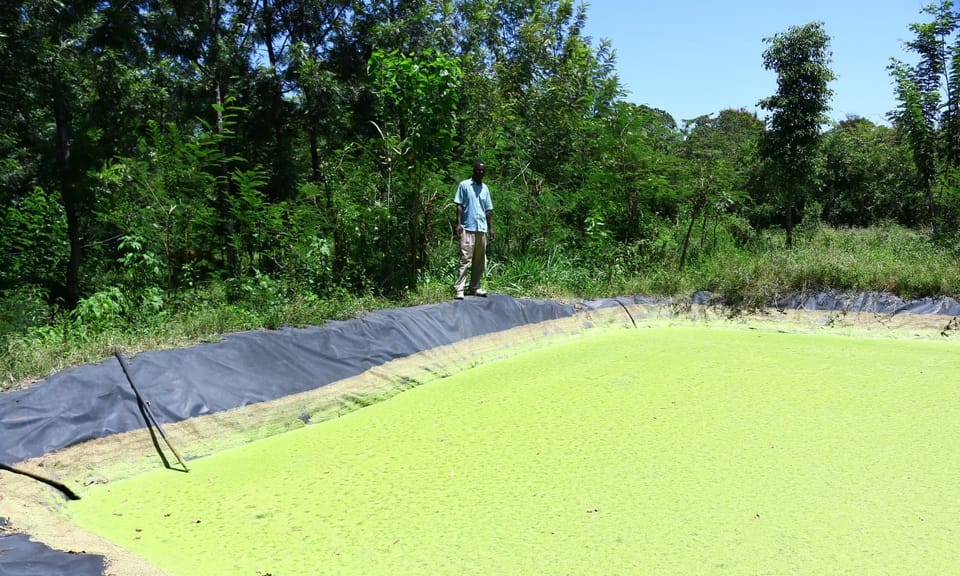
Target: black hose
(70,494)
(624,306)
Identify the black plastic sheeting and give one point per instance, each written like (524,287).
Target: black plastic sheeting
(95,401)
(20,556)
(870,302)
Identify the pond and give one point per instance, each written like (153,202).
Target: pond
(664,450)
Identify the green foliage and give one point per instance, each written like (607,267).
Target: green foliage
(866,176)
(928,94)
(916,117)
(632,171)
(279,158)
(258,224)
(302,252)
(22,308)
(33,241)
(140,269)
(418,97)
(747,272)
(100,311)
(722,154)
(801,59)
(168,198)
(885,258)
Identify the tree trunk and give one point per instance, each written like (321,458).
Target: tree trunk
(698,205)
(68,192)
(789,217)
(215,66)
(314,152)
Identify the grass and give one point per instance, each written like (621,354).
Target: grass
(888,259)
(47,349)
(748,274)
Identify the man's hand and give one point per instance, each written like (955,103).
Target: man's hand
(492,235)
(458,230)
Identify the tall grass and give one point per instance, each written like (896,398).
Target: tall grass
(889,259)
(749,272)
(201,316)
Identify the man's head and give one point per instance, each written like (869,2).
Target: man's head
(479,170)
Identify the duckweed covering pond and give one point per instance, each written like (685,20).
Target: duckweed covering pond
(656,451)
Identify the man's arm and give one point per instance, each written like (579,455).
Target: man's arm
(459,229)
(490,225)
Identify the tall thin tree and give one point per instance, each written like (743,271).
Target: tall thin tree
(801,58)
(928,95)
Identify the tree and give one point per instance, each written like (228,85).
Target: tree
(303,39)
(866,176)
(632,168)
(721,154)
(928,111)
(70,102)
(801,58)
(417,101)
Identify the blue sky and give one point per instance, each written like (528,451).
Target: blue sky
(693,57)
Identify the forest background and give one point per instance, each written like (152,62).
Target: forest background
(171,170)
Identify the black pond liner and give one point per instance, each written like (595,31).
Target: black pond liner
(20,556)
(94,401)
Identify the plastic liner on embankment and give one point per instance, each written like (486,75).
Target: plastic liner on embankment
(93,401)
(88,403)
(228,382)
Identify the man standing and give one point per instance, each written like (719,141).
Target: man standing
(474,222)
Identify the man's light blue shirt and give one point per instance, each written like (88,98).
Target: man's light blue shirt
(476,202)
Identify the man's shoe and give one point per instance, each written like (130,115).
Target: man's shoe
(480,292)
(458,296)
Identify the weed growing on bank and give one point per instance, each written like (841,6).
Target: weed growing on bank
(751,273)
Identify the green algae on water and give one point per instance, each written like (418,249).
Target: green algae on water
(656,451)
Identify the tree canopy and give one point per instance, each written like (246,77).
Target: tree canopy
(153,147)
(801,58)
